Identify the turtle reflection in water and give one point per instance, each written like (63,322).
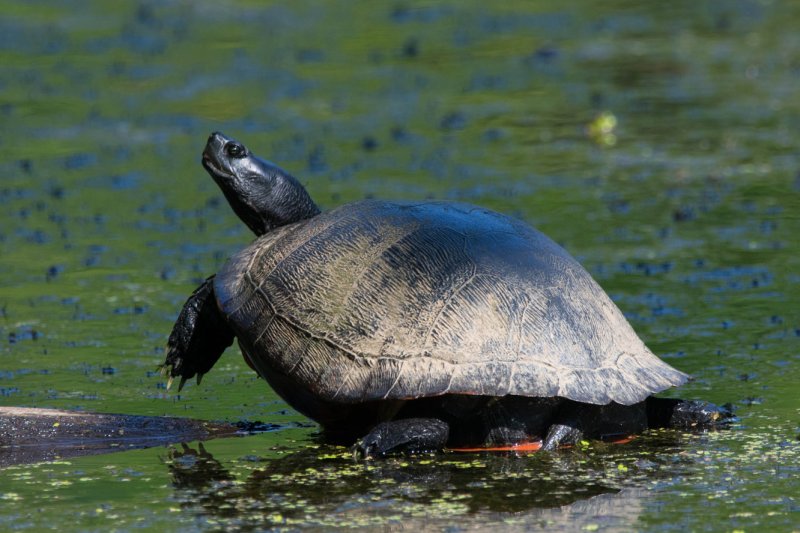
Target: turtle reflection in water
(414,326)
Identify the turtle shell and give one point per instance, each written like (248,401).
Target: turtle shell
(389,300)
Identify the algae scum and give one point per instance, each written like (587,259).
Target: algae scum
(658,144)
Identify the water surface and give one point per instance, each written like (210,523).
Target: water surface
(657,142)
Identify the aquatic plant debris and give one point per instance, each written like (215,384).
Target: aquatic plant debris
(688,221)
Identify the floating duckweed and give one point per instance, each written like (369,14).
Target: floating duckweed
(682,191)
(601,129)
(328,456)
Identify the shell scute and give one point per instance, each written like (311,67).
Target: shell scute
(380,300)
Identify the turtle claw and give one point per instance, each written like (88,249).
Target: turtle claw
(169,382)
(199,336)
(199,377)
(364,449)
(360,453)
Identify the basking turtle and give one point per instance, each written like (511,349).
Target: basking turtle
(419,324)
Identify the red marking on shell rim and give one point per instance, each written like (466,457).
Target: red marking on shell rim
(528,447)
(534,446)
(622,440)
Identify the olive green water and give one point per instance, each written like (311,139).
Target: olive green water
(657,142)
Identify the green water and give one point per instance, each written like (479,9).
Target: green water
(684,208)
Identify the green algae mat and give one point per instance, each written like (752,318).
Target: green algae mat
(657,142)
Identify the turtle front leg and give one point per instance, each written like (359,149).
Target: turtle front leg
(198,338)
(406,435)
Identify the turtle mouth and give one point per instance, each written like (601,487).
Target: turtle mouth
(207,163)
(211,167)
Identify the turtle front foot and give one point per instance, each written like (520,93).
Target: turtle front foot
(198,338)
(408,435)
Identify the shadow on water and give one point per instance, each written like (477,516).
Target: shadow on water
(323,486)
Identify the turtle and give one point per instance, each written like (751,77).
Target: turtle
(414,326)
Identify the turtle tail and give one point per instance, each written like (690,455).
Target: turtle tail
(198,338)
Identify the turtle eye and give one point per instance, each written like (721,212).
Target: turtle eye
(235,150)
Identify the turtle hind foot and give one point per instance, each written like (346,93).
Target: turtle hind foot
(697,414)
(564,434)
(406,435)
(688,414)
(198,338)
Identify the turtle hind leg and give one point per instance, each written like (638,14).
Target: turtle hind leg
(566,433)
(198,338)
(687,414)
(405,435)
(568,427)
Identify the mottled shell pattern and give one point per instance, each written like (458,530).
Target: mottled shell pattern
(389,300)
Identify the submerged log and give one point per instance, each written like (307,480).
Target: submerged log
(30,435)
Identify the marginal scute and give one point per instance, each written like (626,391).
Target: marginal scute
(379,300)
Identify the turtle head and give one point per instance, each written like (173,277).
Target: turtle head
(262,194)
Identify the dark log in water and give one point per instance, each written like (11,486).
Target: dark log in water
(30,435)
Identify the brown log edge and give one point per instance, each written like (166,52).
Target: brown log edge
(32,435)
